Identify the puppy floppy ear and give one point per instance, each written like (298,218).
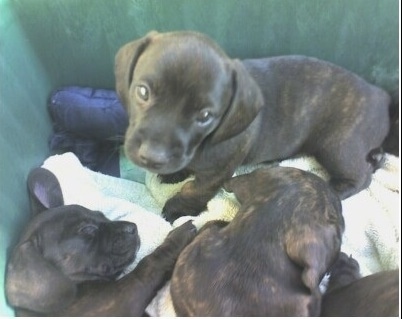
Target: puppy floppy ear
(44,190)
(312,254)
(125,61)
(244,105)
(34,284)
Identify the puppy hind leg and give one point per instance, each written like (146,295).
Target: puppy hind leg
(348,167)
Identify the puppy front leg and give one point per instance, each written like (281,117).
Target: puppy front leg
(175,177)
(156,269)
(194,195)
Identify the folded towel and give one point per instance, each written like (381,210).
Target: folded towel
(372,218)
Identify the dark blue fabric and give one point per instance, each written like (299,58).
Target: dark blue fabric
(93,113)
(90,123)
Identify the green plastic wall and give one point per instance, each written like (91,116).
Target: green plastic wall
(45,44)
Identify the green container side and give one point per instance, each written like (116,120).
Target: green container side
(45,44)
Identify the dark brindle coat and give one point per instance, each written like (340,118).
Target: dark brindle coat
(68,257)
(270,259)
(194,110)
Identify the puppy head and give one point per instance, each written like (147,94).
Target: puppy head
(85,245)
(62,246)
(181,90)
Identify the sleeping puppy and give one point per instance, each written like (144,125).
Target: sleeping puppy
(350,295)
(68,257)
(270,259)
(193,110)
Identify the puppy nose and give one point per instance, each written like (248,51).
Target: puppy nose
(152,163)
(152,158)
(129,228)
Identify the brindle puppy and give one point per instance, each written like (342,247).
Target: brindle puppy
(271,258)
(192,109)
(68,257)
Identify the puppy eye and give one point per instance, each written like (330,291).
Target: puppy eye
(142,92)
(204,117)
(88,230)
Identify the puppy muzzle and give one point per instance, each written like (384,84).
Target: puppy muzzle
(157,157)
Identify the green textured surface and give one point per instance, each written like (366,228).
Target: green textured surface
(45,44)
(75,40)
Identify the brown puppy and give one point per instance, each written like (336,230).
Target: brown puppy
(68,258)
(270,259)
(192,109)
(350,295)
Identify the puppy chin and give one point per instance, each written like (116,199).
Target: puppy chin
(171,167)
(164,170)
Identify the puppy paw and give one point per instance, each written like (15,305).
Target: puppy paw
(344,271)
(183,234)
(175,177)
(174,243)
(176,207)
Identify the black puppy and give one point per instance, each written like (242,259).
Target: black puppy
(270,259)
(350,295)
(68,258)
(192,109)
